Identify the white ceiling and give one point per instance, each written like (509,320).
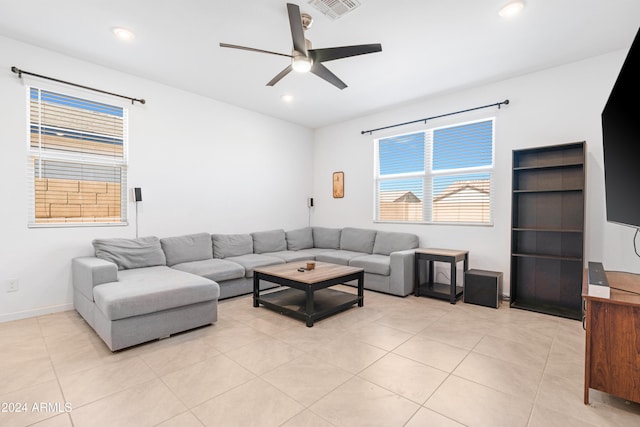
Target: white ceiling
(428,46)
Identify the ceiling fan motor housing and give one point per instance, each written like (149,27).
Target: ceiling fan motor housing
(308,44)
(307,20)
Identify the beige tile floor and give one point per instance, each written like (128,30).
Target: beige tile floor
(394,362)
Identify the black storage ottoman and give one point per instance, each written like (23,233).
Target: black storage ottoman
(483,288)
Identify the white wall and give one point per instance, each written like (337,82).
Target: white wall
(555,106)
(208,166)
(203,166)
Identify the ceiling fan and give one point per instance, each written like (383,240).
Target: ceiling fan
(304,58)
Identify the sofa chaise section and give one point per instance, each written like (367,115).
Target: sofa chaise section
(128,296)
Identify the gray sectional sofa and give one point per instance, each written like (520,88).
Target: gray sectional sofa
(137,290)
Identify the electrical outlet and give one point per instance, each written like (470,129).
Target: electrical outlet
(12,285)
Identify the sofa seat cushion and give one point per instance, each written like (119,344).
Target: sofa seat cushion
(292,256)
(152,289)
(217,270)
(339,256)
(190,247)
(375,264)
(251,261)
(316,251)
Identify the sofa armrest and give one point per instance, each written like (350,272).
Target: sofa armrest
(87,272)
(401,279)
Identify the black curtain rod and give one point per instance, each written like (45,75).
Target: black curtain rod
(20,72)
(498,104)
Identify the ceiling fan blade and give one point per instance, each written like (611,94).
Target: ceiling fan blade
(331,53)
(323,72)
(280,75)
(233,46)
(297,32)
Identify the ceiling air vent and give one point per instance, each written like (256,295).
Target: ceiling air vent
(334,9)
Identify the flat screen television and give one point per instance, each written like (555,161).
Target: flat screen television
(621,143)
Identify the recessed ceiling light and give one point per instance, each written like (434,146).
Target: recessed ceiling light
(123,34)
(287,97)
(511,8)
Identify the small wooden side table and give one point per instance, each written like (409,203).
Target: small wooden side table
(431,288)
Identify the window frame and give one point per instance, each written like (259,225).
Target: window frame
(428,174)
(34,154)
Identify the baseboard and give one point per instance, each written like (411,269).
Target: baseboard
(8,317)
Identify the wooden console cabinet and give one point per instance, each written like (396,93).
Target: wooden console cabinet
(612,353)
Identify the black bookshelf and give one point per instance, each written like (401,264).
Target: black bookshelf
(547,229)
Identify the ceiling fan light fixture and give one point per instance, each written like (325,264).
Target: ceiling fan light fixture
(301,63)
(511,8)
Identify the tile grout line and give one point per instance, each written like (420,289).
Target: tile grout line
(55,371)
(546,363)
(449,375)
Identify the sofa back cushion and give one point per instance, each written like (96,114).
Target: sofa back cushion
(191,247)
(299,239)
(326,238)
(226,245)
(357,239)
(130,253)
(269,241)
(387,242)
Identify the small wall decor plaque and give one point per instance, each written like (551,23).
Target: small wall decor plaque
(338,185)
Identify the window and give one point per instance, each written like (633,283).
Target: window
(77,160)
(440,175)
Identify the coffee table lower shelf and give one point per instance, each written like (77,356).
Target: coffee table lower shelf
(293,303)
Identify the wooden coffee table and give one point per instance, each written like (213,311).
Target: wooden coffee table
(308,296)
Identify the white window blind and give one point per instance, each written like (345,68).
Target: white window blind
(440,175)
(77,160)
